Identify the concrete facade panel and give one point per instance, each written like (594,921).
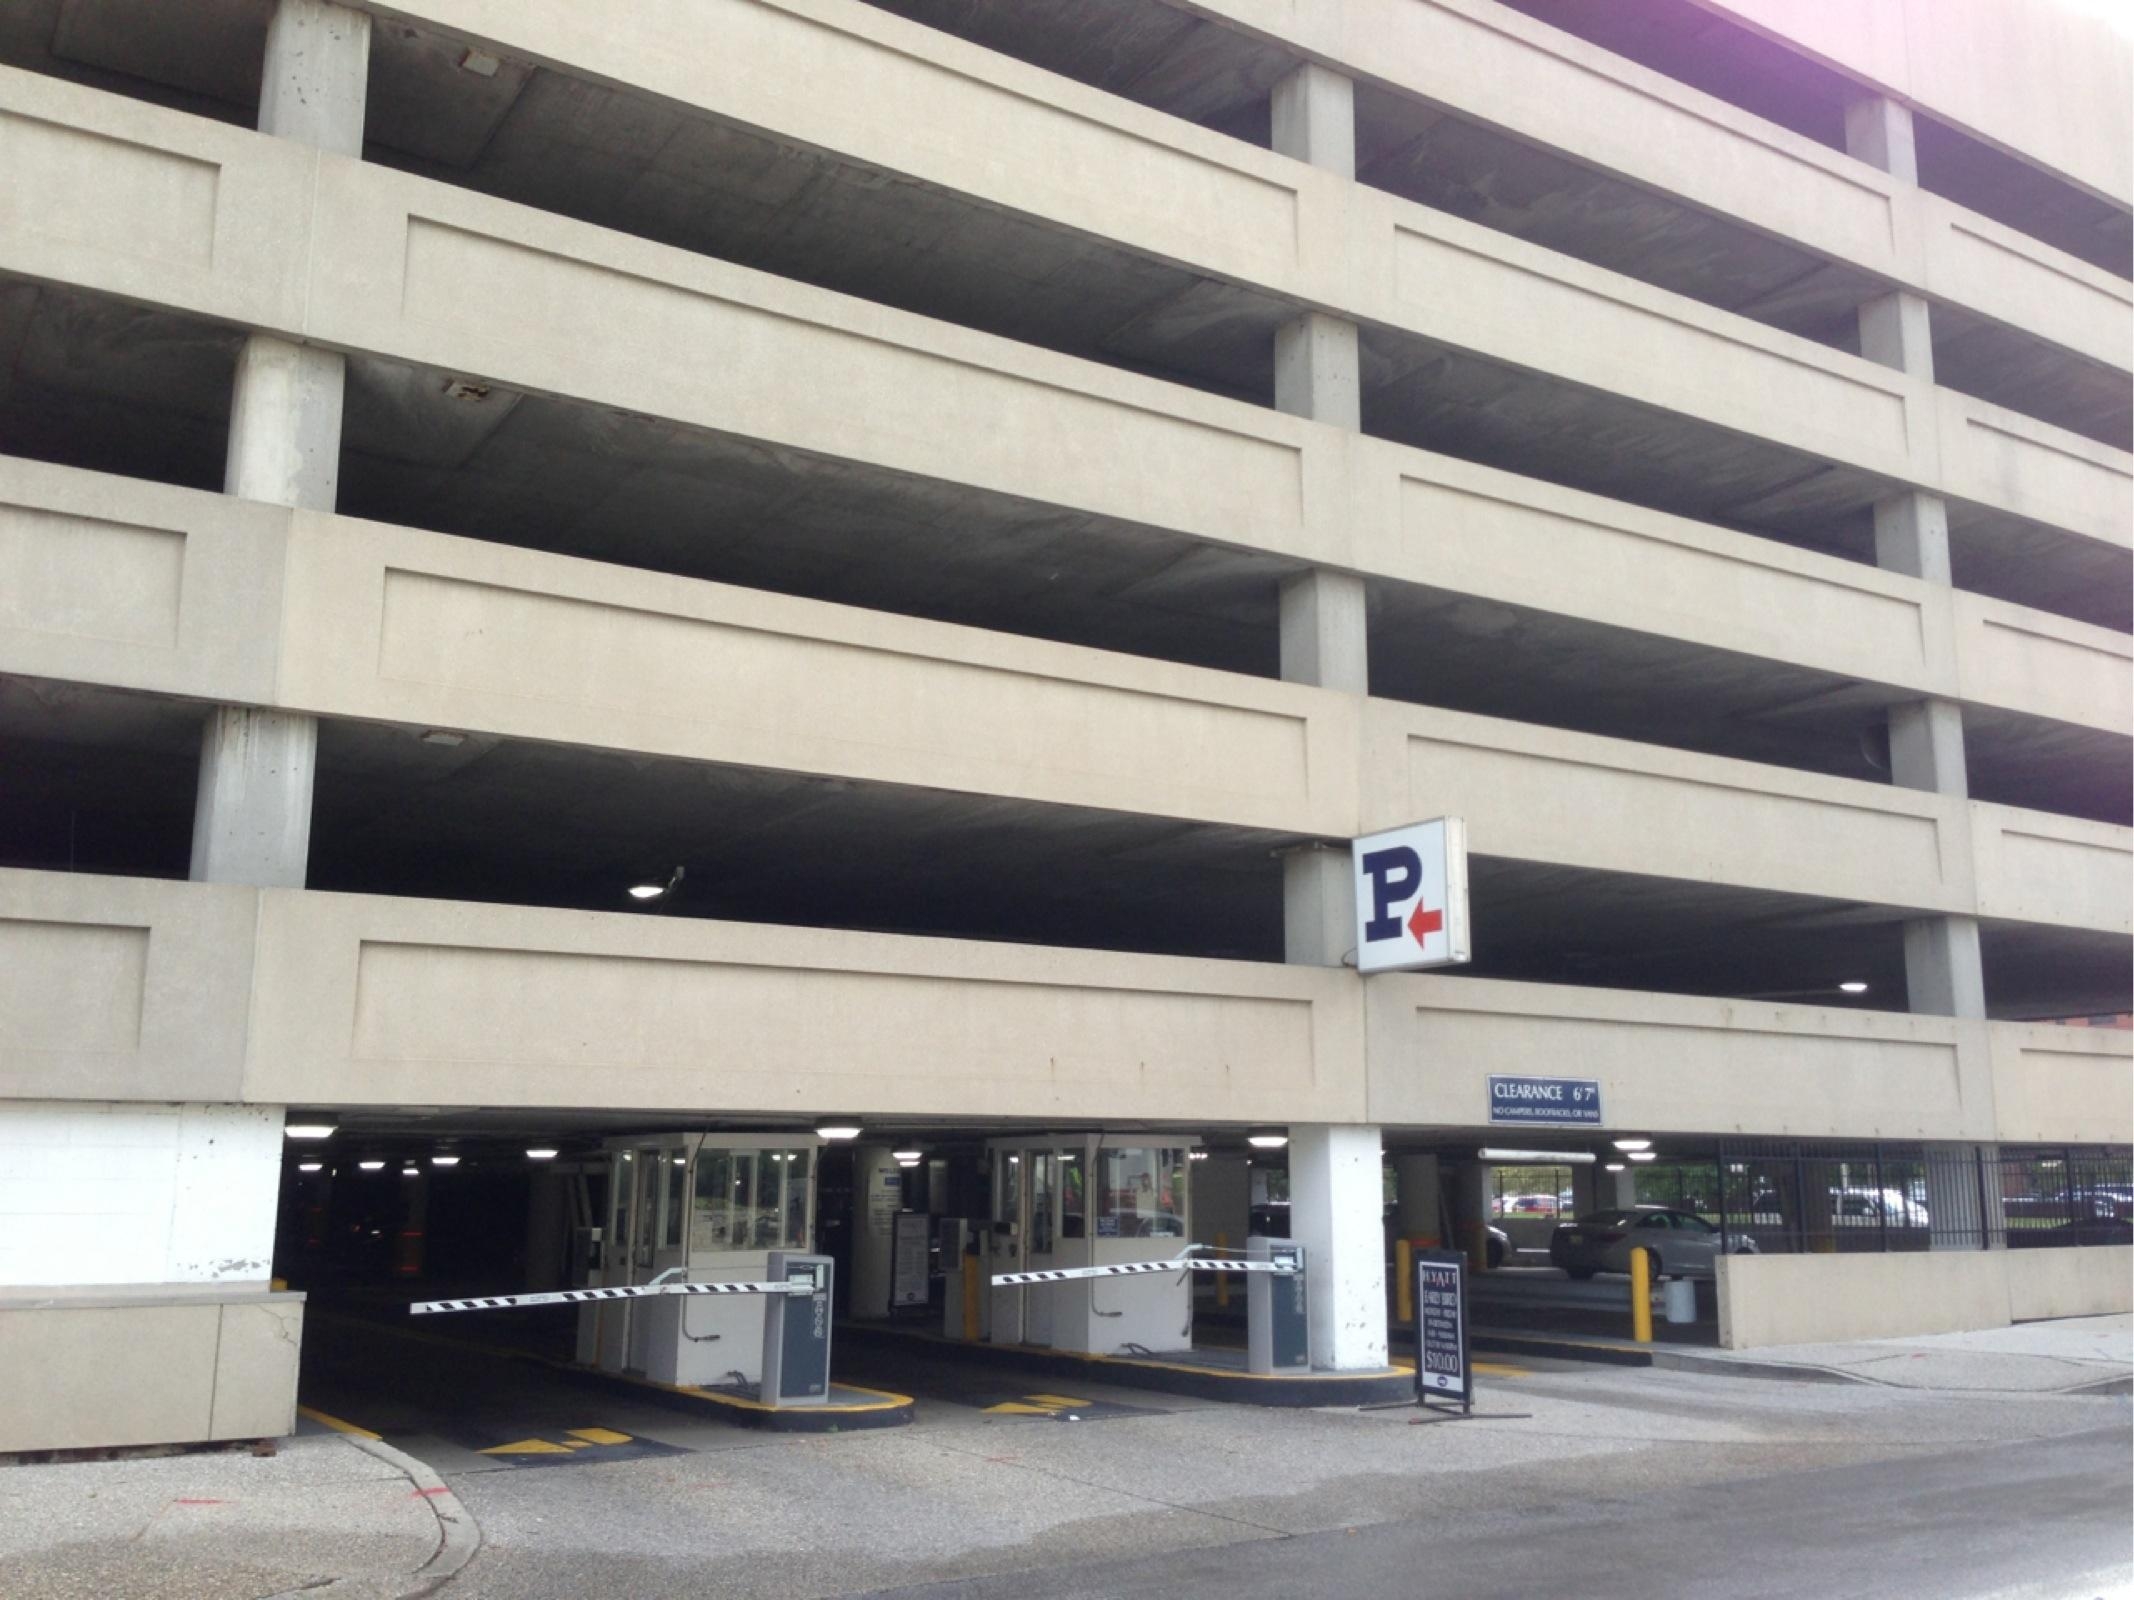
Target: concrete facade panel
(1474,530)
(366,1001)
(420,628)
(1668,1063)
(137,585)
(1975,262)
(1538,310)
(2035,867)
(2032,661)
(929,106)
(73,1377)
(152,205)
(1572,799)
(1999,458)
(741,352)
(122,988)
(2054,1085)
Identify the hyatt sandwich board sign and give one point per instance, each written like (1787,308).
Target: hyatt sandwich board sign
(1411,897)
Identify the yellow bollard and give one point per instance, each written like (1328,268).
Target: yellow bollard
(1404,1281)
(970,1296)
(1642,1262)
(1222,1279)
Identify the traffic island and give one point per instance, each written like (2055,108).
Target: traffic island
(1202,1373)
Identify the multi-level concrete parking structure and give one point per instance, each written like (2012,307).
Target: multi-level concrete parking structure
(999,493)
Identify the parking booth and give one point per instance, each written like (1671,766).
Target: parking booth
(702,1206)
(1088,1200)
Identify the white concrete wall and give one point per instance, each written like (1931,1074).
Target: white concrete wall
(137,1194)
(1817,1299)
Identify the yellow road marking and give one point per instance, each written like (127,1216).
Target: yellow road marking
(528,1447)
(334,1423)
(599,1436)
(1015,1408)
(1059,1402)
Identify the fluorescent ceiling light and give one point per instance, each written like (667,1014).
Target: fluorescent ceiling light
(442,1159)
(310,1166)
(309,1128)
(1644,1155)
(540,1152)
(838,1130)
(1196,1155)
(1633,1144)
(1546,1158)
(913,1162)
(647,891)
(1613,1166)
(908,1156)
(371,1166)
(1852,986)
(410,1172)
(1267,1141)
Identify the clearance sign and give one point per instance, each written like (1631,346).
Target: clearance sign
(1411,897)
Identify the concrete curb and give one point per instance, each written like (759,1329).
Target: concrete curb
(459,1535)
(1777,1371)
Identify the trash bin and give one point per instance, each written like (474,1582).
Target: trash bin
(1681,1299)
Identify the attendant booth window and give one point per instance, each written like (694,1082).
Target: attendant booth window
(708,1206)
(1080,1200)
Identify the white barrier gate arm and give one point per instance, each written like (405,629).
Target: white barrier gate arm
(1122,1269)
(571,1297)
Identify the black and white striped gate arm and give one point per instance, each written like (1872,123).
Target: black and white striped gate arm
(573,1297)
(1123,1269)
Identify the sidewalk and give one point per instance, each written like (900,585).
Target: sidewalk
(323,1515)
(2080,1353)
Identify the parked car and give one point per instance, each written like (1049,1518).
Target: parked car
(1856,1207)
(1602,1241)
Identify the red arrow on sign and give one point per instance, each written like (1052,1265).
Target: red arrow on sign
(1422,923)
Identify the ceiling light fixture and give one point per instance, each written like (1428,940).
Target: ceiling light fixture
(411,1172)
(310,1166)
(1552,1158)
(309,1127)
(1852,986)
(908,1157)
(649,889)
(1613,1166)
(1633,1144)
(1267,1141)
(838,1130)
(540,1152)
(1644,1155)
(444,1158)
(371,1166)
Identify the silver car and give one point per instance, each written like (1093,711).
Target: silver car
(1686,1244)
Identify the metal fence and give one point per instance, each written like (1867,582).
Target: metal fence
(1781,1197)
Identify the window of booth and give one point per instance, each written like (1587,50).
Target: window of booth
(1142,1192)
(751,1200)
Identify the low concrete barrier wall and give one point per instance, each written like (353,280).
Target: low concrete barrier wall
(83,1369)
(1814,1299)
(2090,1282)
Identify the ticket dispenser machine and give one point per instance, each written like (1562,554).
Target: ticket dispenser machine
(1087,1200)
(715,1206)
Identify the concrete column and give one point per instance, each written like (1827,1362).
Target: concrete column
(1418,1212)
(1317,372)
(285,424)
(1615,1190)
(252,813)
(1336,1211)
(877,1196)
(1943,973)
(1878,131)
(1315,118)
(1467,1228)
(317,75)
